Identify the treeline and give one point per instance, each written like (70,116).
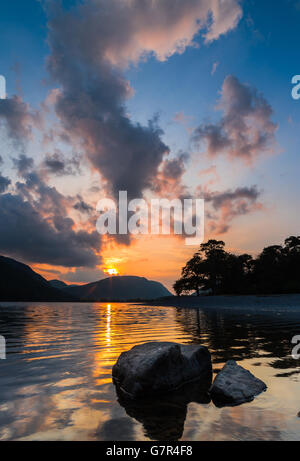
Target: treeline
(276,270)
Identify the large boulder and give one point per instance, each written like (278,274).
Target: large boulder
(234,385)
(157,367)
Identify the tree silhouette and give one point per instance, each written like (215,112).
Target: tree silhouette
(275,270)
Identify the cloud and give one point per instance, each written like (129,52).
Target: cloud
(168,181)
(128,30)
(58,165)
(83,207)
(27,235)
(83,276)
(18,118)
(229,205)
(225,17)
(90,45)
(35,227)
(174,169)
(218,199)
(246,130)
(212,172)
(4,183)
(23,164)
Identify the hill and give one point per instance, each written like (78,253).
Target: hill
(19,282)
(120,288)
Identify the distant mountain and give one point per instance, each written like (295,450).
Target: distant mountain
(58,284)
(120,288)
(19,282)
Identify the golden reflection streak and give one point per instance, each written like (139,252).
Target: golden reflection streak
(108,327)
(112,338)
(103,356)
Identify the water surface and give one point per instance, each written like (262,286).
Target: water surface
(55,383)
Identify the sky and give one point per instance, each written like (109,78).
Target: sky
(161,98)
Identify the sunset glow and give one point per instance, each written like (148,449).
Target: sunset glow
(112,271)
(226,132)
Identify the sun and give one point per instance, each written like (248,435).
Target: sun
(112,271)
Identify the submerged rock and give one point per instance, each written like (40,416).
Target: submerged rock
(234,385)
(157,367)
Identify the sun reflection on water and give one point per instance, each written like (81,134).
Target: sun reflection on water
(108,327)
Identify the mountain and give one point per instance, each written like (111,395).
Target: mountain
(19,282)
(58,284)
(120,288)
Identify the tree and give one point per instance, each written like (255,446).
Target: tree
(191,279)
(213,269)
(275,270)
(203,270)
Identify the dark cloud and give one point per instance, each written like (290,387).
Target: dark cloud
(246,130)
(175,168)
(18,118)
(35,227)
(23,164)
(58,165)
(89,46)
(27,235)
(228,205)
(4,183)
(218,199)
(168,181)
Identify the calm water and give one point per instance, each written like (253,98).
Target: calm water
(56,381)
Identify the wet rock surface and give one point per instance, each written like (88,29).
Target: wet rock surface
(155,368)
(234,385)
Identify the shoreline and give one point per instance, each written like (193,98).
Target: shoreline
(287,303)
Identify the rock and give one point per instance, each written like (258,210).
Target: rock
(157,367)
(234,385)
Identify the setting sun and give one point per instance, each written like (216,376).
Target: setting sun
(112,271)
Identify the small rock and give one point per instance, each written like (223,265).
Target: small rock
(234,385)
(157,367)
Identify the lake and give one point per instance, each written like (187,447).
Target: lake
(55,383)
